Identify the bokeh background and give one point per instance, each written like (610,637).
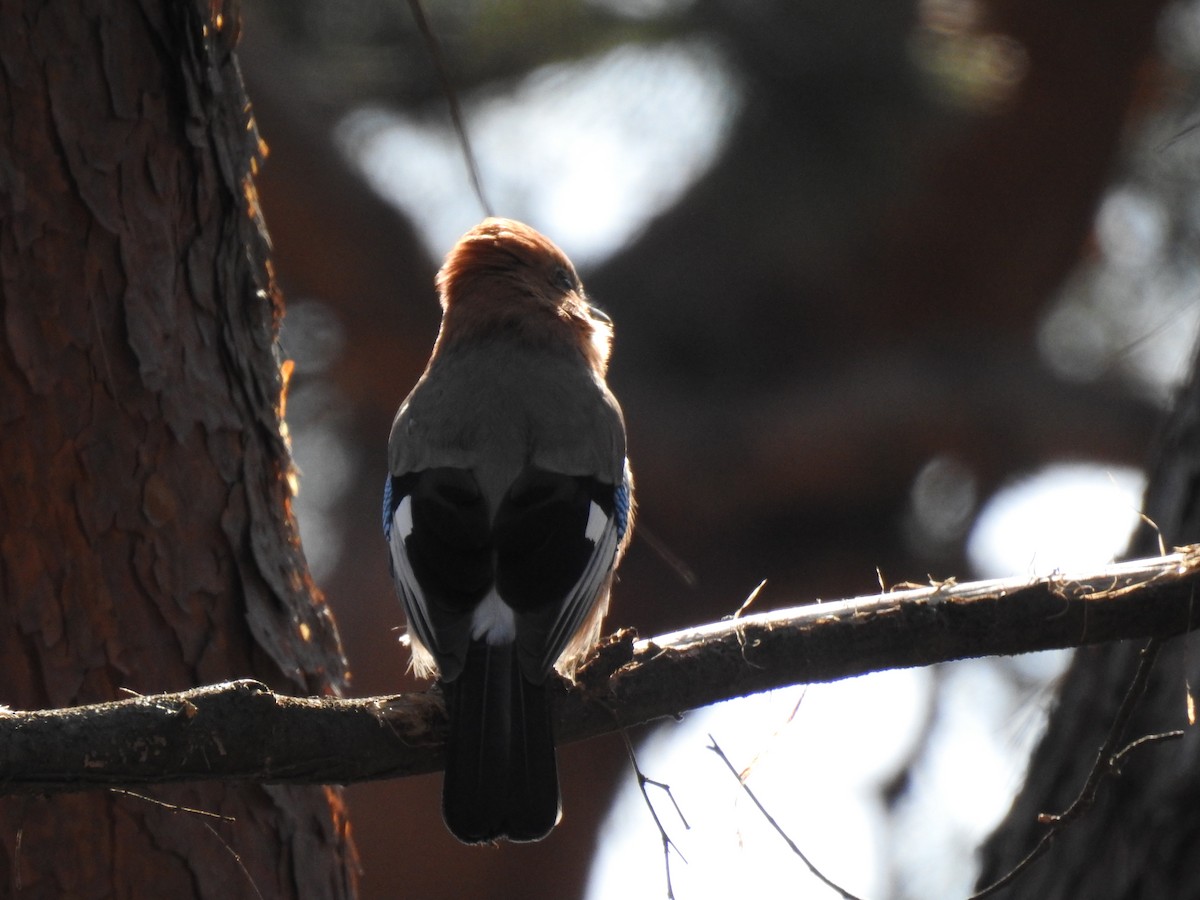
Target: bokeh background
(901,291)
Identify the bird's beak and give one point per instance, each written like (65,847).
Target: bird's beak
(598,313)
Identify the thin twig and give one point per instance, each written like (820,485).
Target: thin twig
(1105,766)
(686,573)
(237,858)
(17,886)
(1144,741)
(643,780)
(202,813)
(716,748)
(766,746)
(173,807)
(456,116)
(1178,136)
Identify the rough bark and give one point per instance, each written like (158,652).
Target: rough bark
(144,524)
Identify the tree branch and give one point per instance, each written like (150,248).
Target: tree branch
(241,731)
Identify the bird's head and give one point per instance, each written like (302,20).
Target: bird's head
(504,277)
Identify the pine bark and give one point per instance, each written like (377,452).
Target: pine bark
(145,533)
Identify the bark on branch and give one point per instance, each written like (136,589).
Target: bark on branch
(241,731)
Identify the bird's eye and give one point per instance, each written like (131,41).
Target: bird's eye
(563,279)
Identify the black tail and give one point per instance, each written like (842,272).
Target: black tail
(501,778)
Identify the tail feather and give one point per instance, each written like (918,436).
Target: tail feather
(501,778)
(534,805)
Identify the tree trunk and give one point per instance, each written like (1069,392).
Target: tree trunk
(146,537)
(1141,838)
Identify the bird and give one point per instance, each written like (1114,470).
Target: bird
(507,507)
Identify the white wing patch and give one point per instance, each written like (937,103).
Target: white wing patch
(493,620)
(411,596)
(596,523)
(402,520)
(586,593)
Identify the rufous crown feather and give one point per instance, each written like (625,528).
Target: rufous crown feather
(503,276)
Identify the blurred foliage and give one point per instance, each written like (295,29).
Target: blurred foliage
(373,50)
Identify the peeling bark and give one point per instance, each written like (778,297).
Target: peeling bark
(146,538)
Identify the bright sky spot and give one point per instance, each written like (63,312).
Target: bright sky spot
(1130,311)
(588,151)
(817,772)
(1065,517)
(326,468)
(820,773)
(313,338)
(643,9)
(975,758)
(1131,227)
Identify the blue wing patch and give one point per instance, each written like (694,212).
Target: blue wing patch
(389,508)
(622,499)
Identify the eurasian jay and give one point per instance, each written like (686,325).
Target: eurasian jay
(508,504)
